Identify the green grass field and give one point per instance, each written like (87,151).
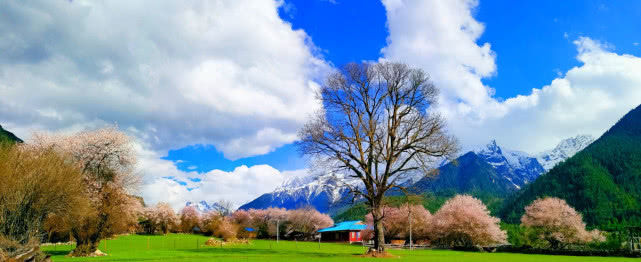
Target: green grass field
(180,247)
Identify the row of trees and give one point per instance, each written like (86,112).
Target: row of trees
(465,221)
(266,223)
(81,183)
(461,221)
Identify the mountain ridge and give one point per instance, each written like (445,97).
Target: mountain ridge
(6,136)
(509,170)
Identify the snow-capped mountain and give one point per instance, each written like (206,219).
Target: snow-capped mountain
(325,192)
(328,193)
(204,207)
(564,150)
(517,167)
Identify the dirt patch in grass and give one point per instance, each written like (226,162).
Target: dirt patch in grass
(218,243)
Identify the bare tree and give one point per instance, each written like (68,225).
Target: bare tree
(376,126)
(224,207)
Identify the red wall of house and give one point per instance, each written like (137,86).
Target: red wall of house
(355,236)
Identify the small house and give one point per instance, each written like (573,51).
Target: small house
(348,231)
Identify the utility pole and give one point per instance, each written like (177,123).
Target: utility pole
(411,200)
(410,218)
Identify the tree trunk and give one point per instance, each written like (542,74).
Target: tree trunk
(88,237)
(379,234)
(85,247)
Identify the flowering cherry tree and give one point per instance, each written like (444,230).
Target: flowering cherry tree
(210,222)
(306,221)
(163,217)
(243,218)
(555,224)
(396,222)
(465,221)
(107,160)
(189,219)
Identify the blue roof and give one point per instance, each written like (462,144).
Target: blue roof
(249,229)
(345,226)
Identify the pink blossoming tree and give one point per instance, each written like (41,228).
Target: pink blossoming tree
(396,222)
(107,159)
(164,218)
(555,224)
(189,219)
(466,221)
(306,221)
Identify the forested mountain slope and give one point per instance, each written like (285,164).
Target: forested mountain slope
(603,181)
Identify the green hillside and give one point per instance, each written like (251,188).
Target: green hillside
(603,181)
(8,137)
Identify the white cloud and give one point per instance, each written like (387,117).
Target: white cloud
(441,37)
(587,100)
(171,73)
(240,186)
(227,73)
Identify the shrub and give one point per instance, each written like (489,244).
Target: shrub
(35,183)
(464,221)
(555,224)
(226,230)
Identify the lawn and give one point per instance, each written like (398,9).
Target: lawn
(181,247)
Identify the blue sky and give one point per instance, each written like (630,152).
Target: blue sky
(532,40)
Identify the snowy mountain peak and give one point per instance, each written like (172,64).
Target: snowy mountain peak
(204,207)
(518,167)
(564,150)
(491,148)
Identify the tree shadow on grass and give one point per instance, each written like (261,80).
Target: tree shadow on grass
(56,252)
